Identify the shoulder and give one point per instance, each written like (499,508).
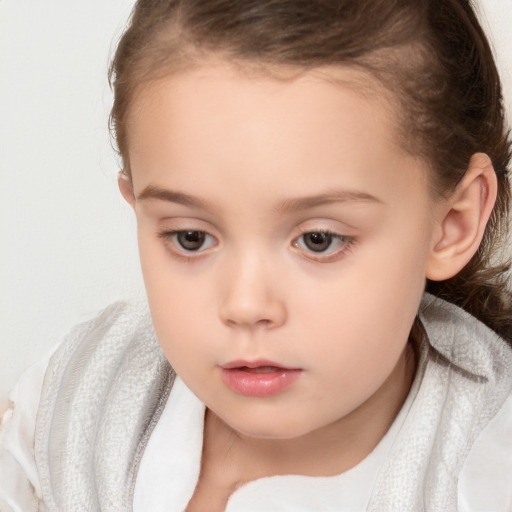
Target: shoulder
(103,392)
(112,329)
(65,394)
(93,349)
(466,343)
(477,404)
(19,481)
(485,482)
(86,368)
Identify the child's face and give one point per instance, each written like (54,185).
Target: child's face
(303,237)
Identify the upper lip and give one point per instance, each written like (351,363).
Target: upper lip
(240,363)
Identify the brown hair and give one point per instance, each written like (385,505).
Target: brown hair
(431,54)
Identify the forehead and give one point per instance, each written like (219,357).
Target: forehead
(202,89)
(292,124)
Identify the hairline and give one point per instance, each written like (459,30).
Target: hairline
(359,78)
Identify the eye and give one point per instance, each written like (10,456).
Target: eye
(317,242)
(324,244)
(189,240)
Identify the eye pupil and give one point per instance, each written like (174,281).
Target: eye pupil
(318,242)
(191,240)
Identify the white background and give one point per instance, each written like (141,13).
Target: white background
(67,240)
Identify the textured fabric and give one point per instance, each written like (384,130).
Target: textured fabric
(173,455)
(467,376)
(19,481)
(485,482)
(102,395)
(105,388)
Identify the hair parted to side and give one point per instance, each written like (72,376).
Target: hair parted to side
(432,55)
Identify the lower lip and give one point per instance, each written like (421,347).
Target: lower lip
(259,384)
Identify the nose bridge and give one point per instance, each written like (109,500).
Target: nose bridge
(251,294)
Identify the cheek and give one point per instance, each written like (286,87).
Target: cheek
(362,317)
(176,304)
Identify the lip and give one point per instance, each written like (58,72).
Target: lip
(259,378)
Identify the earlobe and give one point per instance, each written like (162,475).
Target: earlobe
(463,220)
(126,188)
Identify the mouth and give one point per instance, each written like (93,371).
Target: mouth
(260,369)
(258,378)
(262,365)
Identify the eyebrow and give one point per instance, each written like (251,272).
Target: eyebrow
(286,206)
(333,196)
(153,192)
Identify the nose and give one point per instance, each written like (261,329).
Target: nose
(253,296)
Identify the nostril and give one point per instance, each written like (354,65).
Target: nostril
(264,322)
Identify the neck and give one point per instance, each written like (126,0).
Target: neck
(327,451)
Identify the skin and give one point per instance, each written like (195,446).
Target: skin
(246,151)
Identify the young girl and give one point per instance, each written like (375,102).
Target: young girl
(321,194)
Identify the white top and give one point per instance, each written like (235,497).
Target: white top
(173,454)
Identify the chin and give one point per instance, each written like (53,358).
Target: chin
(270,428)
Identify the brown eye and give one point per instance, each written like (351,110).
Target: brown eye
(188,243)
(190,240)
(323,246)
(317,242)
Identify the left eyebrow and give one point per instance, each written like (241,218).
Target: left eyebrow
(153,192)
(335,196)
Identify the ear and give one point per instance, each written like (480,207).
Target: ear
(126,188)
(462,220)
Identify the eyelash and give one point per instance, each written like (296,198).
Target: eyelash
(321,257)
(169,237)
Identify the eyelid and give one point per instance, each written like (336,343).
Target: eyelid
(324,257)
(346,241)
(169,238)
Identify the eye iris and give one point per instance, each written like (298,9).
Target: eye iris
(317,242)
(191,240)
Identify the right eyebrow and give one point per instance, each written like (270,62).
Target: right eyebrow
(154,192)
